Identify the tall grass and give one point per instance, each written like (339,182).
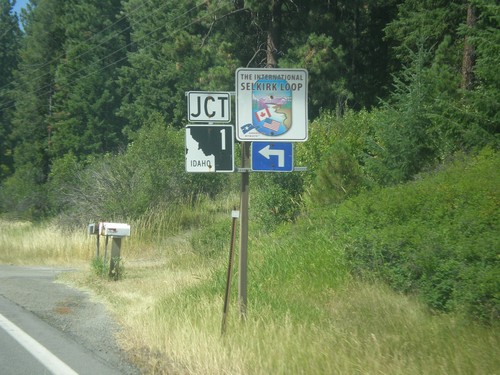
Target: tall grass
(27,243)
(306,315)
(164,223)
(171,327)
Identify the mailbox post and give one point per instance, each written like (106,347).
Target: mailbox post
(116,231)
(114,262)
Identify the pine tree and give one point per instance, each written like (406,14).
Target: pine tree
(165,59)
(482,103)
(83,117)
(341,44)
(10,35)
(33,93)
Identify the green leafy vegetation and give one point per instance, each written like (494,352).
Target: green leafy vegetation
(436,237)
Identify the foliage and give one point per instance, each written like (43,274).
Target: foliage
(82,114)
(276,199)
(339,177)
(10,37)
(428,21)
(167,60)
(348,63)
(100,268)
(405,143)
(95,94)
(481,107)
(437,237)
(213,240)
(151,173)
(336,155)
(22,196)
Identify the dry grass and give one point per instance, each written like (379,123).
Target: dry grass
(172,322)
(371,331)
(26,243)
(171,329)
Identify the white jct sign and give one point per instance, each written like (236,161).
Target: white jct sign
(209,107)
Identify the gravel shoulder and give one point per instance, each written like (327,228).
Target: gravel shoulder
(69,310)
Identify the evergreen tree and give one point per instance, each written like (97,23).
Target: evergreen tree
(83,115)
(425,23)
(10,35)
(463,37)
(165,60)
(482,103)
(341,44)
(33,94)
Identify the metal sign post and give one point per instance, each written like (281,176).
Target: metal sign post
(235,214)
(244,199)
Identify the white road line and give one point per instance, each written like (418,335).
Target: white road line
(49,360)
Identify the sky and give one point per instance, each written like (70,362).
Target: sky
(20,4)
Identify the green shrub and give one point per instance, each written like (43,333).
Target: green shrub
(437,236)
(150,173)
(275,198)
(214,239)
(99,267)
(339,177)
(22,196)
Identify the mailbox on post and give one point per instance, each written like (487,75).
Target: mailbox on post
(115,229)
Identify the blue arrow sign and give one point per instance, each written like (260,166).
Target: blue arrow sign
(272,156)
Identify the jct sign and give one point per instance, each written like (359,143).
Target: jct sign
(209,106)
(271,105)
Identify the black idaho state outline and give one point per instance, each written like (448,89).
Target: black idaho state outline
(209,141)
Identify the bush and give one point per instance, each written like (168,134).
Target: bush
(151,173)
(437,236)
(22,196)
(276,198)
(212,240)
(339,177)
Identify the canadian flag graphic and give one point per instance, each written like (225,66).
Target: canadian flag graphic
(262,114)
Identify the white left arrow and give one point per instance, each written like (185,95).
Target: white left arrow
(267,153)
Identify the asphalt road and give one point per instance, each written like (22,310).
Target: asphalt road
(50,328)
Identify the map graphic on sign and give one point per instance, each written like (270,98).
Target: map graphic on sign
(272,106)
(209,148)
(201,158)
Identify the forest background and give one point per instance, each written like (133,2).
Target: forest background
(401,92)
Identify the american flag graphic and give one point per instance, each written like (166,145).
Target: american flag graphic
(273,125)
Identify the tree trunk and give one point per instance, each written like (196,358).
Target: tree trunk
(469,57)
(273,34)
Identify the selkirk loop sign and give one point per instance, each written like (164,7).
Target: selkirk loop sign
(271,105)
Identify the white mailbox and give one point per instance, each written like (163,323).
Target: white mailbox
(114,229)
(93,228)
